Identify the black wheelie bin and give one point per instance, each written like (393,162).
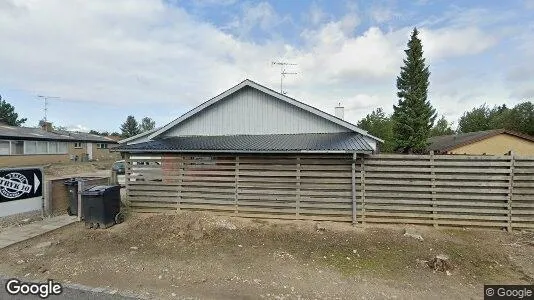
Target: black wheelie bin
(101,206)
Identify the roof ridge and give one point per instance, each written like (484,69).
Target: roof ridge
(268,134)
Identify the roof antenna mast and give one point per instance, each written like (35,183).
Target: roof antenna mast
(46,103)
(283,73)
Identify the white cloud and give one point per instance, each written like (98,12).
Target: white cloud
(450,42)
(147,51)
(382,14)
(214,2)
(316,15)
(373,55)
(77,128)
(259,15)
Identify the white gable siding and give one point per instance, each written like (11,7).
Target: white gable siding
(138,140)
(250,111)
(371,142)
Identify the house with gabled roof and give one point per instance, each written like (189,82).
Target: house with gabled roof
(487,142)
(249,150)
(40,146)
(251,118)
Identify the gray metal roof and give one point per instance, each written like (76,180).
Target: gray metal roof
(85,137)
(28,133)
(270,143)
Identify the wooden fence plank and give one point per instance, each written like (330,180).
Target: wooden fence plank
(501,204)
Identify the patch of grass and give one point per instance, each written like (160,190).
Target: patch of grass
(379,261)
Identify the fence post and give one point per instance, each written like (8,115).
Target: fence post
(362,187)
(353,181)
(48,206)
(127,170)
(180,181)
(298,187)
(113,180)
(433,189)
(236,204)
(510,190)
(80,190)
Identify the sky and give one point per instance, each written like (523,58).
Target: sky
(106,60)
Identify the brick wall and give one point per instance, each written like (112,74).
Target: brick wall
(98,154)
(32,160)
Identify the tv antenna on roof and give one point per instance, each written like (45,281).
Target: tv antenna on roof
(46,103)
(283,73)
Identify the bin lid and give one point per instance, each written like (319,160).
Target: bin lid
(97,190)
(71,181)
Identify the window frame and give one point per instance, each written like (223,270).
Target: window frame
(62,148)
(13,145)
(8,147)
(26,147)
(38,143)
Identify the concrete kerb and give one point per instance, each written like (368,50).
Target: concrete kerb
(108,291)
(81,287)
(15,234)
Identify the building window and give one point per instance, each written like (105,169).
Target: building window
(42,147)
(17,147)
(102,146)
(62,148)
(30,147)
(52,147)
(78,145)
(4,147)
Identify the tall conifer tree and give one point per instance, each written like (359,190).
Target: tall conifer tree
(413,116)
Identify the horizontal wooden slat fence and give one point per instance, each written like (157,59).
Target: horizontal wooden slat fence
(495,191)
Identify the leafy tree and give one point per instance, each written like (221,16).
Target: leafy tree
(94,132)
(476,119)
(413,116)
(130,127)
(147,124)
(114,133)
(442,127)
(499,117)
(521,118)
(379,125)
(8,114)
(104,133)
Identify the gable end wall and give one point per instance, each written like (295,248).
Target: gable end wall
(249,111)
(497,145)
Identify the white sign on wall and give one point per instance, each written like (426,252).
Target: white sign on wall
(21,190)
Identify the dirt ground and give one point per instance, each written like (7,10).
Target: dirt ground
(203,256)
(72,168)
(20,219)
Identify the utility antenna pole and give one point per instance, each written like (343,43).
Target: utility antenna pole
(46,103)
(283,73)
